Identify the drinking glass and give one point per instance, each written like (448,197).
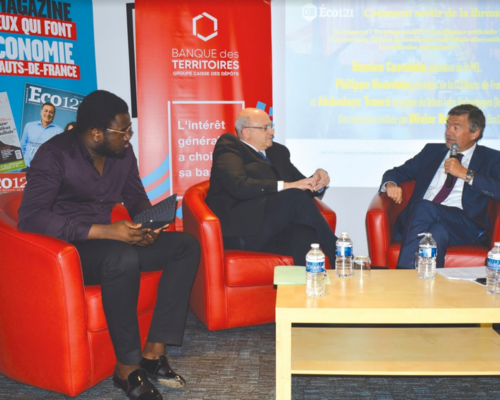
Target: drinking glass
(361,267)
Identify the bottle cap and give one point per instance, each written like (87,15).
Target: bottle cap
(316,245)
(497,243)
(344,234)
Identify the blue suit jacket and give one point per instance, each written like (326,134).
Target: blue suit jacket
(485,162)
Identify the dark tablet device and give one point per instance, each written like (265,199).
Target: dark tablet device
(159,215)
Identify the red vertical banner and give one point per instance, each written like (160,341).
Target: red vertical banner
(199,63)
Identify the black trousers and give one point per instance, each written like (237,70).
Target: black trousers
(116,266)
(291,223)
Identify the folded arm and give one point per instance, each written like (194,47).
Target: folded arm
(230,170)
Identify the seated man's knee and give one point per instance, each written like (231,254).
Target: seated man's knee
(423,209)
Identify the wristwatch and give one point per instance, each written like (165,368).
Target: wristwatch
(470,175)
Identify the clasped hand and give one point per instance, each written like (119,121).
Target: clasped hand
(132,233)
(317,182)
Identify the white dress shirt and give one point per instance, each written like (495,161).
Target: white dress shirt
(454,199)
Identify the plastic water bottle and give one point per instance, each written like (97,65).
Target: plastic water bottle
(315,272)
(427,254)
(493,270)
(343,259)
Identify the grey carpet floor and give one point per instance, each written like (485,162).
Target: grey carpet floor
(239,364)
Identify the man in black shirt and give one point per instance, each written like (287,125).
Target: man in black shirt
(73,183)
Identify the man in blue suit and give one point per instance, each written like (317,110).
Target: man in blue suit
(454,218)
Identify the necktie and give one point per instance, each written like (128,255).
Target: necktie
(445,191)
(264,157)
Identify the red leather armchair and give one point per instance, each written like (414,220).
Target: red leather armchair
(53,331)
(384,252)
(232,288)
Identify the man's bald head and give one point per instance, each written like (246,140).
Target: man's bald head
(246,116)
(254,127)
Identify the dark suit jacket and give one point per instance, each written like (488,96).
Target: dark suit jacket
(485,162)
(241,180)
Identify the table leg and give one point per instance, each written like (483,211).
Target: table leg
(283,360)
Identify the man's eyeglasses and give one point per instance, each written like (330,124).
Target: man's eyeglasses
(264,128)
(127,131)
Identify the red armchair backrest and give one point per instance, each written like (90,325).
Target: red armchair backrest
(120,213)
(206,227)
(494,213)
(10,205)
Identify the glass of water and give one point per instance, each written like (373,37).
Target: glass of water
(361,267)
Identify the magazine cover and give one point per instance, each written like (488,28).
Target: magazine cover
(46,113)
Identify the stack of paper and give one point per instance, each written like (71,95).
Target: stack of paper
(291,275)
(463,273)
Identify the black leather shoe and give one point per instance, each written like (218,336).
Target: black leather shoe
(161,371)
(137,386)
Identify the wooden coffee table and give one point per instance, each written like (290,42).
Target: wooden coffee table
(347,338)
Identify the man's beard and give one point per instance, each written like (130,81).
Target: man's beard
(104,149)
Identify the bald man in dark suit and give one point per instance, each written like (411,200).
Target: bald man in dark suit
(264,203)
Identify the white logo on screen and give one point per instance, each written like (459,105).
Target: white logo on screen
(195,32)
(309,12)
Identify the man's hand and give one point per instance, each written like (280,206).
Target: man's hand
(150,235)
(303,184)
(125,231)
(454,167)
(318,181)
(321,178)
(394,192)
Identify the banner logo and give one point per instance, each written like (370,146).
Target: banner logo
(213,34)
(309,12)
